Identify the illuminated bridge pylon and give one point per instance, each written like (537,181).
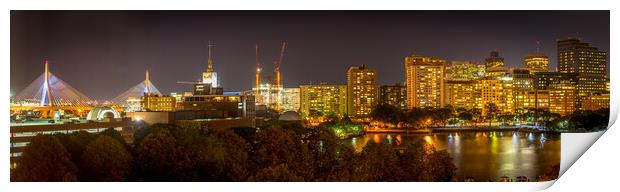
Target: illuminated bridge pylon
(49,92)
(137,91)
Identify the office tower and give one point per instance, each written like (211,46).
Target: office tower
(155,102)
(536,63)
(361,90)
(323,99)
(395,95)
(588,62)
(498,92)
(424,77)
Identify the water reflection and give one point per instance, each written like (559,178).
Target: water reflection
(485,155)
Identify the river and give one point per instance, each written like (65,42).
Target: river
(485,155)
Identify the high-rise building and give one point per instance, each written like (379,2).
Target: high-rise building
(395,95)
(424,77)
(588,62)
(464,71)
(324,99)
(209,76)
(461,94)
(494,65)
(290,99)
(536,63)
(361,90)
(562,97)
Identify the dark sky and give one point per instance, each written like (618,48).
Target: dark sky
(104,53)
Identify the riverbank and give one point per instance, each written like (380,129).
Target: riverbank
(456,129)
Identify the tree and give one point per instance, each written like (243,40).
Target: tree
(491,112)
(465,115)
(222,156)
(443,114)
(377,162)
(161,158)
(441,166)
(276,173)
(106,159)
(45,159)
(387,113)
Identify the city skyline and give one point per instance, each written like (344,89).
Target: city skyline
(234,59)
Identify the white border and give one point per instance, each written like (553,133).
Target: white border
(587,177)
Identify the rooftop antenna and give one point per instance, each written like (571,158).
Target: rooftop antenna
(257,76)
(210,61)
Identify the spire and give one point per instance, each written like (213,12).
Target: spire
(537,46)
(46,85)
(210,61)
(147,83)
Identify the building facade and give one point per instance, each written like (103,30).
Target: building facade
(395,95)
(154,102)
(589,63)
(464,71)
(595,101)
(536,63)
(562,97)
(424,77)
(361,90)
(323,99)
(290,99)
(461,94)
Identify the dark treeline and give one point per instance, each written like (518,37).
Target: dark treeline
(164,152)
(578,121)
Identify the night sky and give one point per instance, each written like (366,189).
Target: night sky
(104,53)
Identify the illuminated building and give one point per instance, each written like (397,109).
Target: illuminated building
(562,97)
(499,92)
(209,76)
(588,62)
(464,71)
(522,79)
(155,102)
(460,94)
(494,65)
(531,99)
(362,90)
(218,106)
(395,95)
(269,93)
(595,101)
(536,63)
(543,80)
(133,104)
(424,77)
(290,99)
(324,99)
(522,84)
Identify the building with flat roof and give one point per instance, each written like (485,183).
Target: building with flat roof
(424,77)
(361,90)
(323,99)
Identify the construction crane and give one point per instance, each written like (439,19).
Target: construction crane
(257,93)
(278,77)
